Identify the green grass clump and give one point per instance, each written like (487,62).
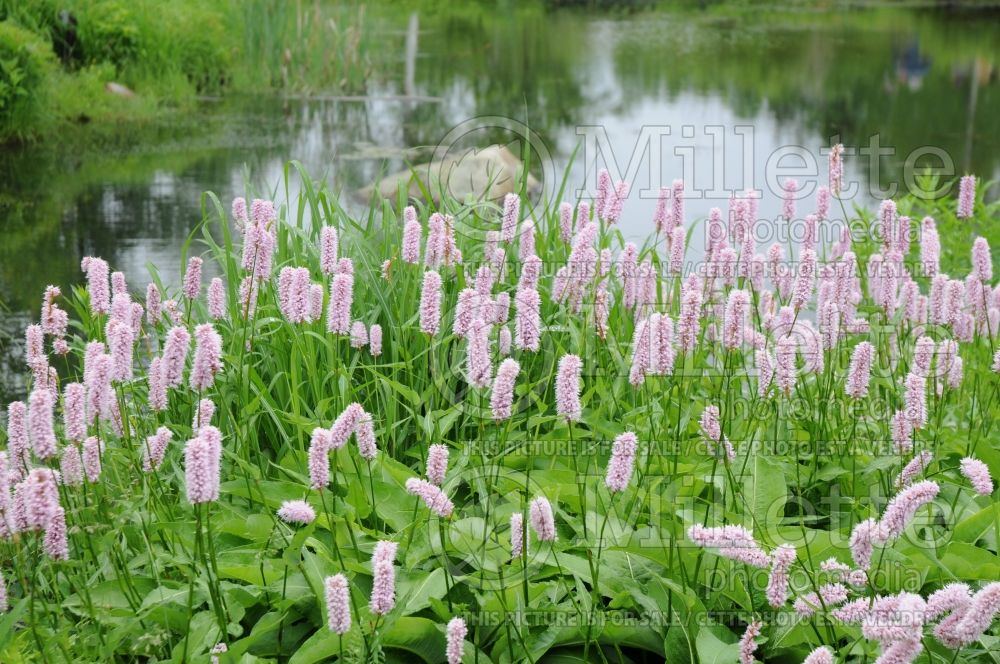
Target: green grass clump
(26,63)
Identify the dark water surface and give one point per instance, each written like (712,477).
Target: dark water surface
(914,77)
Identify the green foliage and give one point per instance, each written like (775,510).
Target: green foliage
(26,62)
(150,577)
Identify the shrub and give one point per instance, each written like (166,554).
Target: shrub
(25,64)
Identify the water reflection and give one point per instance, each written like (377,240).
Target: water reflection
(914,77)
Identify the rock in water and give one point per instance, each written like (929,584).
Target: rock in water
(487,174)
(118,89)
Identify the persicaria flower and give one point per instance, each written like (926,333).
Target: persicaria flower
(502,396)
(55,544)
(903,506)
(296,511)
(412,236)
(175,351)
(966,196)
(192,278)
(859,371)
(511,215)
(430,303)
(735,318)
(622,463)
(328,246)
(156,448)
(74,412)
(457,632)
(207,357)
(432,496)
(747,644)
(120,341)
(733,542)
(916,399)
(338,609)
(836,168)
(516,534)
(788,206)
(375,339)
(338,311)
(821,655)
(830,595)
(319,465)
(603,191)
(916,466)
(978,475)
(40,426)
(777,582)
(384,582)
(202,465)
(613,209)
(565,222)
(203,413)
(157,388)
(982,261)
(97,284)
(216,299)
(92,459)
(542,520)
(568,388)
(527,320)
(70,472)
(359,335)
(479,367)
(437,463)
(38,498)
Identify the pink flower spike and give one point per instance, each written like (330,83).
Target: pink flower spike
(502,396)
(338,604)
(359,335)
(859,371)
(296,512)
(788,205)
(978,475)
(821,655)
(516,534)
(92,459)
(430,303)
(40,425)
(511,216)
(175,351)
(733,542)
(328,247)
(74,412)
(55,544)
(338,311)
(207,357)
(437,463)
(915,467)
(412,236)
(375,340)
(542,520)
(203,413)
(622,463)
(431,495)
(777,582)
(319,463)
(98,286)
(156,448)
(747,644)
(216,299)
(192,278)
(202,465)
(456,633)
(527,320)
(568,388)
(966,196)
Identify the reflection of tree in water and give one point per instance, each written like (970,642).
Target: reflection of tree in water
(917,79)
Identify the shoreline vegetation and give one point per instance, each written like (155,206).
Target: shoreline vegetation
(629,451)
(103,63)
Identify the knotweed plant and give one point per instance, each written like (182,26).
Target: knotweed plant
(502,433)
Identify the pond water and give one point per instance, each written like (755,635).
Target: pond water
(739,93)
